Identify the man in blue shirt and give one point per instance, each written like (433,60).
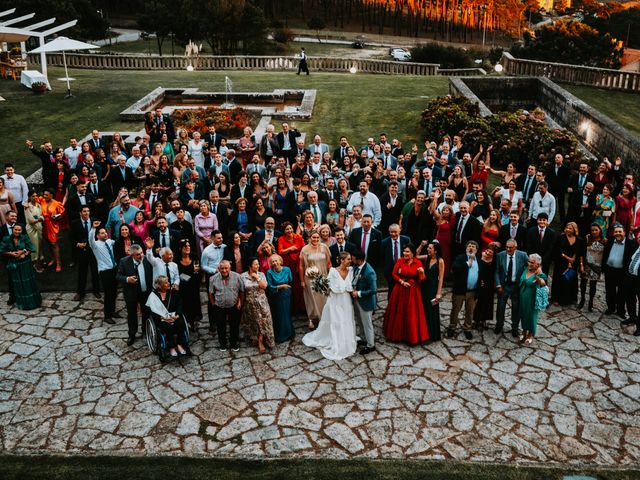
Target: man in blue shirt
(125,212)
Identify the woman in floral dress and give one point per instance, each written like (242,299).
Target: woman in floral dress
(256,315)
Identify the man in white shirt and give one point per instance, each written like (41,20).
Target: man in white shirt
(542,201)
(133,162)
(368,201)
(163,264)
(213,254)
(72,153)
(17,185)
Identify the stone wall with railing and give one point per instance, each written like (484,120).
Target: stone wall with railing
(575,74)
(239,62)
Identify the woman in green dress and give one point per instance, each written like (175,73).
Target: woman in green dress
(280,280)
(531,280)
(17,250)
(605,211)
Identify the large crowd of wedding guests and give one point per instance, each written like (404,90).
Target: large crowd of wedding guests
(259,223)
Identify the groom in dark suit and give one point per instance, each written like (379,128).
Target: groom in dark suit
(365,286)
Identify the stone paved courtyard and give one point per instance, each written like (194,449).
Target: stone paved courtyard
(69,384)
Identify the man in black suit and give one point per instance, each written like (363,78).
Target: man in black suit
(513,230)
(160,118)
(77,201)
(48,162)
(368,239)
(466,270)
(541,239)
(181,228)
(97,142)
(341,245)
(581,206)
(269,233)
(578,180)
(121,175)
(528,185)
(340,152)
(79,236)
(392,247)
(135,274)
(558,179)
(329,192)
(98,195)
(240,189)
(467,228)
(616,261)
(6,230)
(212,138)
(235,167)
(287,142)
(391,205)
(163,237)
(301,151)
(509,265)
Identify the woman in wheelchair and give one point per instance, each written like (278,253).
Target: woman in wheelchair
(166,311)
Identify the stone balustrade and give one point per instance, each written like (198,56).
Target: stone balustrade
(240,62)
(575,74)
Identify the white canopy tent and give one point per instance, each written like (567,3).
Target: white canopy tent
(64,44)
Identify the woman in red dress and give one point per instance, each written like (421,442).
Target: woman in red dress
(404,319)
(289,246)
(446,224)
(601,178)
(625,205)
(490,230)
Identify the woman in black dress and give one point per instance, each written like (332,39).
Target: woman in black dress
(189,288)
(486,287)
(432,287)
(122,245)
(569,250)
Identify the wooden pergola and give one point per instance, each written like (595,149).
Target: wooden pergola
(10,33)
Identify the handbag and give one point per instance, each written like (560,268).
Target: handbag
(569,274)
(542,298)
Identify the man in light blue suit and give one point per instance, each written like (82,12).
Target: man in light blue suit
(510,264)
(365,299)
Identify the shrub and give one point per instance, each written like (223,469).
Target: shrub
(228,122)
(516,137)
(447,57)
(282,35)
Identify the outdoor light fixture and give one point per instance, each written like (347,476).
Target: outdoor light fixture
(189,68)
(584,128)
(498,68)
(353,69)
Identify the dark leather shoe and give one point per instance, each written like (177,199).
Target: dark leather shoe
(97,294)
(77,297)
(630,321)
(608,311)
(115,315)
(497,330)
(11,301)
(367,350)
(109,320)
(515,333)
(130,341)
(468,335)
(637,332)
(450,332)
(622,316)
(362,343)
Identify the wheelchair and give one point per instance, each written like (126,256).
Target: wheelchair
(157,342)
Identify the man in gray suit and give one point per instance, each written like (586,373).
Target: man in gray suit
(510,264)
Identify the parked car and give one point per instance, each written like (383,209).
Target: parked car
(400,54)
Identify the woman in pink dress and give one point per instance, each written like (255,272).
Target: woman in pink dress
(204,224)
(445,223)
(141,227)
(247,144)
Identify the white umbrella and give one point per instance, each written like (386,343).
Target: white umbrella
(63,44)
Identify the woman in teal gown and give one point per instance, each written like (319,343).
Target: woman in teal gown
(531,280)
(16,250)
(279,281)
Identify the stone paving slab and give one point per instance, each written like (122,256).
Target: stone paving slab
(69,384)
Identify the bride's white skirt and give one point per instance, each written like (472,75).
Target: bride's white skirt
(336,332)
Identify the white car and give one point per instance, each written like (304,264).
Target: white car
(400,54)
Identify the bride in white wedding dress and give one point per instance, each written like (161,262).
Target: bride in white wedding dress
(335,336)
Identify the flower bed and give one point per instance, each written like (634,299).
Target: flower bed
(229,122)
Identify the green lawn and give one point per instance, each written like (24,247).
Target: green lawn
(355,105)
(142,468)
(622,107)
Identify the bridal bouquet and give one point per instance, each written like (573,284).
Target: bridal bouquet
(320,284)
